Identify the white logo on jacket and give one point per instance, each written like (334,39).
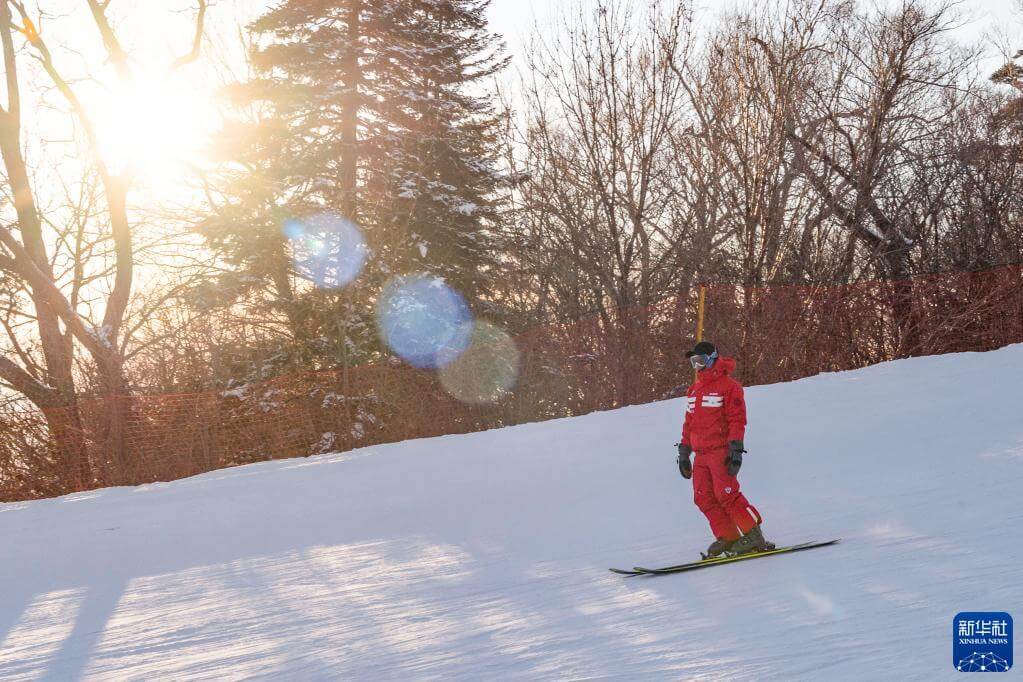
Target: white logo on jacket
(713,400)
(690,403)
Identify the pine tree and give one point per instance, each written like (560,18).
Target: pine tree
(435,182)
(376,112)
(287,169)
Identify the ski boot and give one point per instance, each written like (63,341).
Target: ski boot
(718,547)
(753,541)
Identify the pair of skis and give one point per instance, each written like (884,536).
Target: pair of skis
(717,561)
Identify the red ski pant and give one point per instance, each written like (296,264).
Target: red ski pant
(717,495)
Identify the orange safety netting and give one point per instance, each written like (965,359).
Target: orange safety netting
(606,360)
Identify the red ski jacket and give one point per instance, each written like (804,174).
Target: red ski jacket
(715,409)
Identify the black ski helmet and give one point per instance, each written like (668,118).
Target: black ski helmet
(702,348)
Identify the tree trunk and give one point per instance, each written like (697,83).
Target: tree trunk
(67,430)
(352,75)
(902,303)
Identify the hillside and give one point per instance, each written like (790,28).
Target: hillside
(484,555)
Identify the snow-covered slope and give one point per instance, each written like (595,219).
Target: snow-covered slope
(484,556)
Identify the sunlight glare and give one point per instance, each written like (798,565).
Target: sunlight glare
(154,127)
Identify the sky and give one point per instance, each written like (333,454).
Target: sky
(183,102)
(518,14)
(515,19)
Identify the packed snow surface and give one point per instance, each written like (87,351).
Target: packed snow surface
(485,556)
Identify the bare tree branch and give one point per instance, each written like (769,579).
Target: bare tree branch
(193,54)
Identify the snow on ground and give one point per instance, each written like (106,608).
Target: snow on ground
(484,556)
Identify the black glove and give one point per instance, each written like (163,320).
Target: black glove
(734,458)
(685,467)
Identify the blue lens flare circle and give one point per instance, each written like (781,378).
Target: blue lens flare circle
(424,321)
(327,250)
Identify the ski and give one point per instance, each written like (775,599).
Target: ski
(622,571)
(693,565)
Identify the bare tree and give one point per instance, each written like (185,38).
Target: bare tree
(892,80)
(603,205)
(65,322)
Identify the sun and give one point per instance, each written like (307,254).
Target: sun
(154,128)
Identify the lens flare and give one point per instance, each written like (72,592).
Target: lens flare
(424,321)
(328,250)
(487,370)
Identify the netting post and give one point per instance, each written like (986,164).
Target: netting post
(699,320)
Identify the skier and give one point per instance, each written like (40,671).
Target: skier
(714,427)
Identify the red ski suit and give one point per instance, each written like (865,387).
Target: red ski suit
(716,414)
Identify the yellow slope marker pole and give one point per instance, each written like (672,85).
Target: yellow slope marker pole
(699,320)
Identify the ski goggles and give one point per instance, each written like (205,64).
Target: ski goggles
(701,361)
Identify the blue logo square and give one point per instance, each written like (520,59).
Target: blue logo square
(982,642)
